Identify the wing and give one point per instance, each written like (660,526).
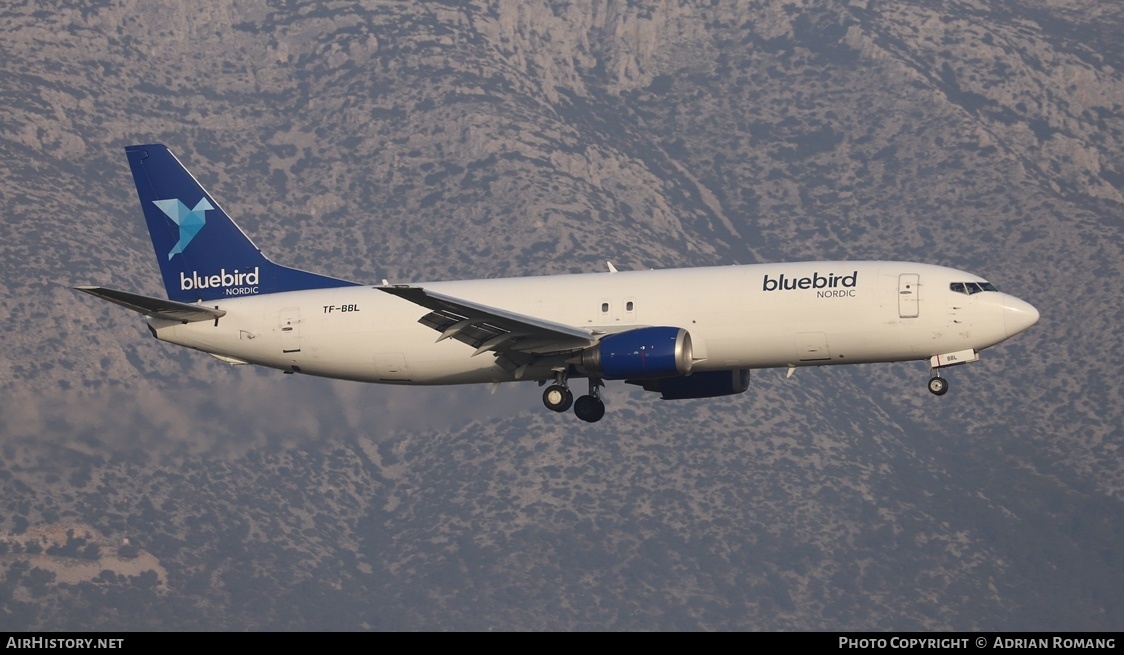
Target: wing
(157,307)
(488,328)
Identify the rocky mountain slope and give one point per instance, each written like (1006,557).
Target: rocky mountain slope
(433,140)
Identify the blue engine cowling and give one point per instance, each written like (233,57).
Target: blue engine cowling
(707,384)
(643,353)
(704,384)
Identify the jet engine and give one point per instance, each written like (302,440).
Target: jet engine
(643,353)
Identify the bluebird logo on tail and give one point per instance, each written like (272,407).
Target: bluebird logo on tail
(216,259)
(190,221)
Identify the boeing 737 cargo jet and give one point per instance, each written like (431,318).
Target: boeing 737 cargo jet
(684,333)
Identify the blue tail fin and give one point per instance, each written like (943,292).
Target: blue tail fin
(202,253)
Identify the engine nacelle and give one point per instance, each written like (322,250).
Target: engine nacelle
(643,353)
(707,384)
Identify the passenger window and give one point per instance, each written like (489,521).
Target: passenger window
(628,306)
(604,308)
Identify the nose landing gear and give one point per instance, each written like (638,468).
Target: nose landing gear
(938,386)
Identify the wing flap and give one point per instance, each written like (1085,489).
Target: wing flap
(487,328)
(155,307)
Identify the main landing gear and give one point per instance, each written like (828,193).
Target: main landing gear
(558,397)
(590,408)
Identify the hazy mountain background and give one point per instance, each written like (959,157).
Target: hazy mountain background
(148,487)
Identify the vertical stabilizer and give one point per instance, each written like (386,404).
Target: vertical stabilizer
(203,255)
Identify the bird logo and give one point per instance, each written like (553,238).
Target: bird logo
(190,221)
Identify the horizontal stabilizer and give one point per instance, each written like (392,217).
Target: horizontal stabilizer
(155,307)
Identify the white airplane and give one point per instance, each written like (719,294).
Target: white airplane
(685,333)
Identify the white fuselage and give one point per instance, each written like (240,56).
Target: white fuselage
(738,317)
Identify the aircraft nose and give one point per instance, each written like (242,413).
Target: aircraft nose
(1018,315)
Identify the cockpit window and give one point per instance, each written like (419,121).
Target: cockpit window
(968,288)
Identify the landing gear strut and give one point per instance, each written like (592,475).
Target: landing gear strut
(590,408)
